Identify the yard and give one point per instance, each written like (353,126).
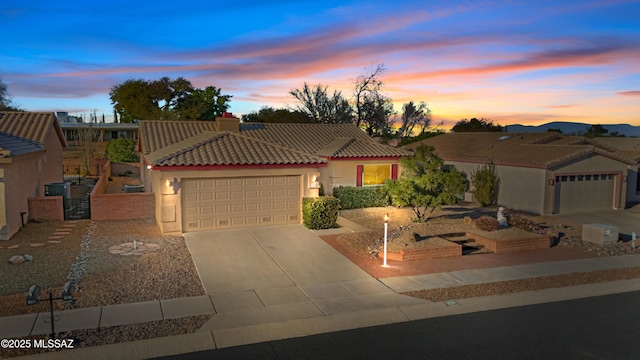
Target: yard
(104,278)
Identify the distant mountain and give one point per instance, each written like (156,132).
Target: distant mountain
(571,128)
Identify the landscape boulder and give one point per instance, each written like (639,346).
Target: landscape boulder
(16,259)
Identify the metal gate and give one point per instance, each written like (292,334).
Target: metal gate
(77,208)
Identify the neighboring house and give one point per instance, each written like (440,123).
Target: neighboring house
(100,132)
(30,156)
(224,174)
(629,148)
(545,173)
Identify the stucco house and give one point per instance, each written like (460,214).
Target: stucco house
(226,174)
(31,146)
(545,173)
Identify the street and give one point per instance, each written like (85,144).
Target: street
(604,327)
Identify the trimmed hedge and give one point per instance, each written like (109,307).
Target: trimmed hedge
(320,212)
(361,197)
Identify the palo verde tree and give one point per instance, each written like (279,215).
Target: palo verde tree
(425,184)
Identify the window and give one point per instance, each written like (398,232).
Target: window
(370,175)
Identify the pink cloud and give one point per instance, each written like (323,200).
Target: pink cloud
(629,93)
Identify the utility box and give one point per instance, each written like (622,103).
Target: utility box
(58,189)
(600,234)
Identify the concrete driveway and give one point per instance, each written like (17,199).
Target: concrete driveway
(626,221)
(281,272)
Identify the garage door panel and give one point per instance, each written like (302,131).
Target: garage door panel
(240,202)
(585,192)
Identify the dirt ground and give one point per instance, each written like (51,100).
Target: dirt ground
(117,183)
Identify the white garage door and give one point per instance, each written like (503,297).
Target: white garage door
(586,192)
(223,203)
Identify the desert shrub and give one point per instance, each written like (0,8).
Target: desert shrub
(521,222)
(320,212)
(485,183)
(361,197)
(487,223)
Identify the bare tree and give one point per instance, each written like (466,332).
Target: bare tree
(88,140)
(373,109)
(413,116)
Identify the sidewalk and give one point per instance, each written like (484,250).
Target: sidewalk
(340,307)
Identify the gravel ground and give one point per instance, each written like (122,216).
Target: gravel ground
(103,278)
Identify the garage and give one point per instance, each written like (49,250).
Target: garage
(584,192)
(225,203)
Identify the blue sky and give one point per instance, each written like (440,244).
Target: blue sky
(527,62)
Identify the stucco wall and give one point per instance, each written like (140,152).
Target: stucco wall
(25,177)
(343,172)
(168,209)
(519,188)
(593,163)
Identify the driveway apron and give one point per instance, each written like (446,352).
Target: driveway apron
(266,258)
(281,273)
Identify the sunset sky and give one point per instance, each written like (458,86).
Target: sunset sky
(513,62)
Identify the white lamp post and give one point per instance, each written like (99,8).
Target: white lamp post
(386,226)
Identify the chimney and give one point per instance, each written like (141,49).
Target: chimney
(227,122)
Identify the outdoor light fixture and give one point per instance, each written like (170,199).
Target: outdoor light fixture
(386,227)
(33,298)
(149,167)
(172,184)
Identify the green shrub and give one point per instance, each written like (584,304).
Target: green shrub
(485,183)
(361,197)
(487,223)
(121,150)
(320,212)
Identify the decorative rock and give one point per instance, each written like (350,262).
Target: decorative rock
(502,220)
(467,220)
(16,259)
(28,257)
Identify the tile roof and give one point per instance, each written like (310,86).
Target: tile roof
(537,150)
(27,131)
(323,140)
(13,146)
(199,143)
(227,148)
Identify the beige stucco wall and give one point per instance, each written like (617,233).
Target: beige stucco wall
(25,177)
(343,172)
(168,207)
(519,188)
(593,163)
